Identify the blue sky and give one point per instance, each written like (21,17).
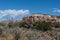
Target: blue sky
(20,8)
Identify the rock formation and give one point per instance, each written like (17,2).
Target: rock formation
(41,17)
(17,33)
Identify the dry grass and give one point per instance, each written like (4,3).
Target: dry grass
(17,33)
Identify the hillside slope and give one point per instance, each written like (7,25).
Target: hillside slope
(17,33)
(25,29)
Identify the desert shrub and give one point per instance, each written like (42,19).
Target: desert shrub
(44,26)
(0,31)
(25,24)
(57,25)
(11,24)
(22,24)
(2,24)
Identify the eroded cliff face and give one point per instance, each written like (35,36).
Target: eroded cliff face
(41,17)
(17,33)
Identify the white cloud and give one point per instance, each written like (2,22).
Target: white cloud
(56,10)
(13,13)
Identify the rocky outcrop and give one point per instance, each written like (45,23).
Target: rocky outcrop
(17,33)
(41,17)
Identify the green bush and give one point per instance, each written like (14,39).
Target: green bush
(25,24)
(44,26)
(57,25)
(22,24)
(11,24)
(1,24)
